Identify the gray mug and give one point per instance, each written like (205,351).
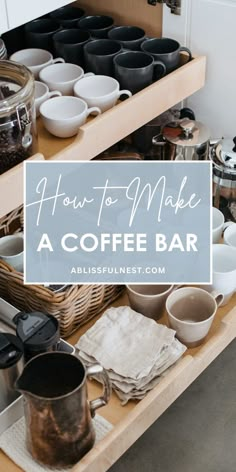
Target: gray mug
(135,70)
(99,55)
(130,37)
(166,50)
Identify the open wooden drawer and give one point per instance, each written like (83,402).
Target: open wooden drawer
(103,131)
(132,420)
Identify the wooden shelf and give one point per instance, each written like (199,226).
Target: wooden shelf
(101,132)
(132,420)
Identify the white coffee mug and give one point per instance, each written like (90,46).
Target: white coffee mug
(62,77)
(41,94)
(190,312)
(99,91)
(35,59)
(230,234)
(12,250)
(218,220)
(148,299)
(224,270)
(63,116)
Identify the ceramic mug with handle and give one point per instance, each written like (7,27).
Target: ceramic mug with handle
(218,220)
(63,116)
(35,59)
(190,312)
(99,91)
(166,50)
(230,234)
(224,270)
(12,250)
(149,299)
(42,93)
(62,77)
(135,70)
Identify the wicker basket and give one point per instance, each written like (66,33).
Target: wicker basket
(72,307)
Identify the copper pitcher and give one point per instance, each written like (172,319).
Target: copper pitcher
(59,429)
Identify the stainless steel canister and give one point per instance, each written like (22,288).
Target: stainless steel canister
(184,140)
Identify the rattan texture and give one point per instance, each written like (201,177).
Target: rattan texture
(73,307)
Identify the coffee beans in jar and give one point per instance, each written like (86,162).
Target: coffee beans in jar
(17,115)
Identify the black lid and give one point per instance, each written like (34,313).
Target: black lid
(11,350)
(37,330)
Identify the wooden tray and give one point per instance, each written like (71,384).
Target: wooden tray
(132,420)
(94,137)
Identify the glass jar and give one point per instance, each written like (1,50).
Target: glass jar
(18,137)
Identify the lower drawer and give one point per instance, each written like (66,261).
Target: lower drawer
(132,420)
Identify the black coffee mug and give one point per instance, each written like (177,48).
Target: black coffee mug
(67,16)
(134,70)
(97,25)
(69,44)
(39,33)
(165,50)
(130,37)
(99,55)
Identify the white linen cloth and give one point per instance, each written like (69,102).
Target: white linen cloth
(12,442)
(135,350)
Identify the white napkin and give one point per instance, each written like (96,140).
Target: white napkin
(126,342)
(12,442)
(134,349)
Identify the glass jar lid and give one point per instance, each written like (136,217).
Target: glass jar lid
(186,132)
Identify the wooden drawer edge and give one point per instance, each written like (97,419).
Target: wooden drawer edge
(112,126)
(146,412)
(12,186)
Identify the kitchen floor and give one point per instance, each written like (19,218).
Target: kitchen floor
(198,432)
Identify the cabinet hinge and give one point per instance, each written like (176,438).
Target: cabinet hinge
(174,5)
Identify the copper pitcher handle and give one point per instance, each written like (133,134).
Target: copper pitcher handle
(98,371)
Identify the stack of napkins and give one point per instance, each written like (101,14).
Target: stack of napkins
(134,349)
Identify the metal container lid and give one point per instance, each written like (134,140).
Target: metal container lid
(37,330)
(224,155)
(11,350)
(186,132)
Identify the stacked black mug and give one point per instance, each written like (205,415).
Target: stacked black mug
(97,45)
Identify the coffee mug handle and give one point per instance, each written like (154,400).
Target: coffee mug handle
(58,59)
(125,92)
(184,49)
(88,74)
(219,297)
(97,370)
(159,63)
(54,93)
(94,110)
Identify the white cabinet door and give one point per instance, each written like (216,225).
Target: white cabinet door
(3,17)
(208,27)
(22,11)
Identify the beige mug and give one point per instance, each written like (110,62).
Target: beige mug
(12,250)
(149,300)
(190,312)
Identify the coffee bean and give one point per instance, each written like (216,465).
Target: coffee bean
(11,150)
